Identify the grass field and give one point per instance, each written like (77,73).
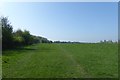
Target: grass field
(62,61)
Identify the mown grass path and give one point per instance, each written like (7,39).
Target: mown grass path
(61,61)
(79,70)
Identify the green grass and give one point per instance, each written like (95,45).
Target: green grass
(61,61)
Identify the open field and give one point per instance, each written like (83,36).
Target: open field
(62,60)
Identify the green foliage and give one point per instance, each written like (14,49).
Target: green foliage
(35,39)
(19,39)
(27,37)
(7,36)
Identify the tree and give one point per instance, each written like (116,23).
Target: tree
(19,32)
(36,39)
(45,40)
(24,38)
(101,41)
(109,41)
(26,35)
(18,38)
(105,41)
(7,37)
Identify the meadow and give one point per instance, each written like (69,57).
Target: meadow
(89,60)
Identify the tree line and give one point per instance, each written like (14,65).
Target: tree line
(102,41)
(12,39)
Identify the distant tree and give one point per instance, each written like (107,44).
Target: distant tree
(34,39)
(105,41)
(110,41)
(101,41)
(27,37)
(44,40)
(50,41)
(18,38)
(57,42)
(40,39)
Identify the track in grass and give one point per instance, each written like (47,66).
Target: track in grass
(61,61)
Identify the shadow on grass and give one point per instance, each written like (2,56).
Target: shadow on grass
(18,50)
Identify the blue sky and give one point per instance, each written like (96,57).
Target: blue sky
(65,21)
